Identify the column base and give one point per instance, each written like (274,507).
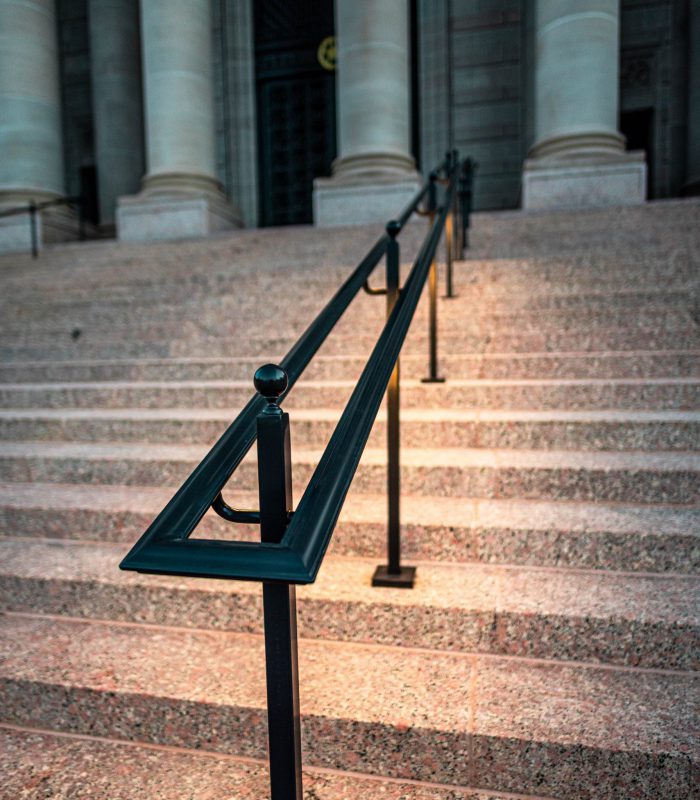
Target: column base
(150,217)
(362,202)
(53,226)
(593,182)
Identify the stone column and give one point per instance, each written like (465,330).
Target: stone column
(116,101)
(373,89)
(181,196)
(31,146)
(578,158)
(692,185)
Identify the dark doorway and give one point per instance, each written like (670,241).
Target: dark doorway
(88,191)
(296,106)
(638,128)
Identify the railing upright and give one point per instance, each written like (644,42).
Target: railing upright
(449,227)
(279,599)
(466,188)
(393,574)
(433,376)
(32,229)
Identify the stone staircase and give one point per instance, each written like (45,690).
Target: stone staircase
(551,645)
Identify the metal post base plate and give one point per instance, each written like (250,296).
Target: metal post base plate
(432,380)
(398,580)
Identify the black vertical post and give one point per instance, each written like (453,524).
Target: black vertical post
(279,599)
(450,249)
(81,218)
(33,230)
(432,292)
(457,249)
(466,196)
(393,574)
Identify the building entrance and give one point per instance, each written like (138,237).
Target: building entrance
(295,82)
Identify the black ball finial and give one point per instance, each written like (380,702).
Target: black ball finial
(271,381)
(393,228)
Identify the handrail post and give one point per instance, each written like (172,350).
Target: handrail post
(279,599)
(450,253)
(33,230)
(393,574)
(466,183)
(432,292)
(458,249)
(81,218)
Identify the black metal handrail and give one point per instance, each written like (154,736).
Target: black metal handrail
(33,209)
(160,547)
(293,542)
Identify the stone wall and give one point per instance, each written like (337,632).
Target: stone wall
(476,87)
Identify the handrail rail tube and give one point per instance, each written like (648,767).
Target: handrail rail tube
(189,504)
(318,510)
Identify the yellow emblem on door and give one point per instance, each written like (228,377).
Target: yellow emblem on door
(326,53)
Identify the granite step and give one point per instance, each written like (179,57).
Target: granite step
(587,268)
(74,766)
(649,621)
(535,533)
(312,427)
(618,365)
(502,724)
(484,299)
(202,278)
(359,335)
(616,339)
(632,477)
(526,394)
(234,318)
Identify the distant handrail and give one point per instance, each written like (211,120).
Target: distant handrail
(314,520)
(33,208)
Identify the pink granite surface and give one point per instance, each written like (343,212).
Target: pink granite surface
(448,718)
(632,620)
(43,765)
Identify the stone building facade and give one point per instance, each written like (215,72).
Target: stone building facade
(181,117)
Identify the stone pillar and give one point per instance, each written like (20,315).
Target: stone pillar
(373,90)
(578,159)
(31,146)
(692,184)
(116,101)
(181,196)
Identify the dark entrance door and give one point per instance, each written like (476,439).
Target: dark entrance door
(296,106)
(638,128)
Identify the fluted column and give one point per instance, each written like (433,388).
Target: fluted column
(181,195)
(576,78)
(178,94)
(578,157)
(692,185)
(116,100)
(373,90)
(31,148)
